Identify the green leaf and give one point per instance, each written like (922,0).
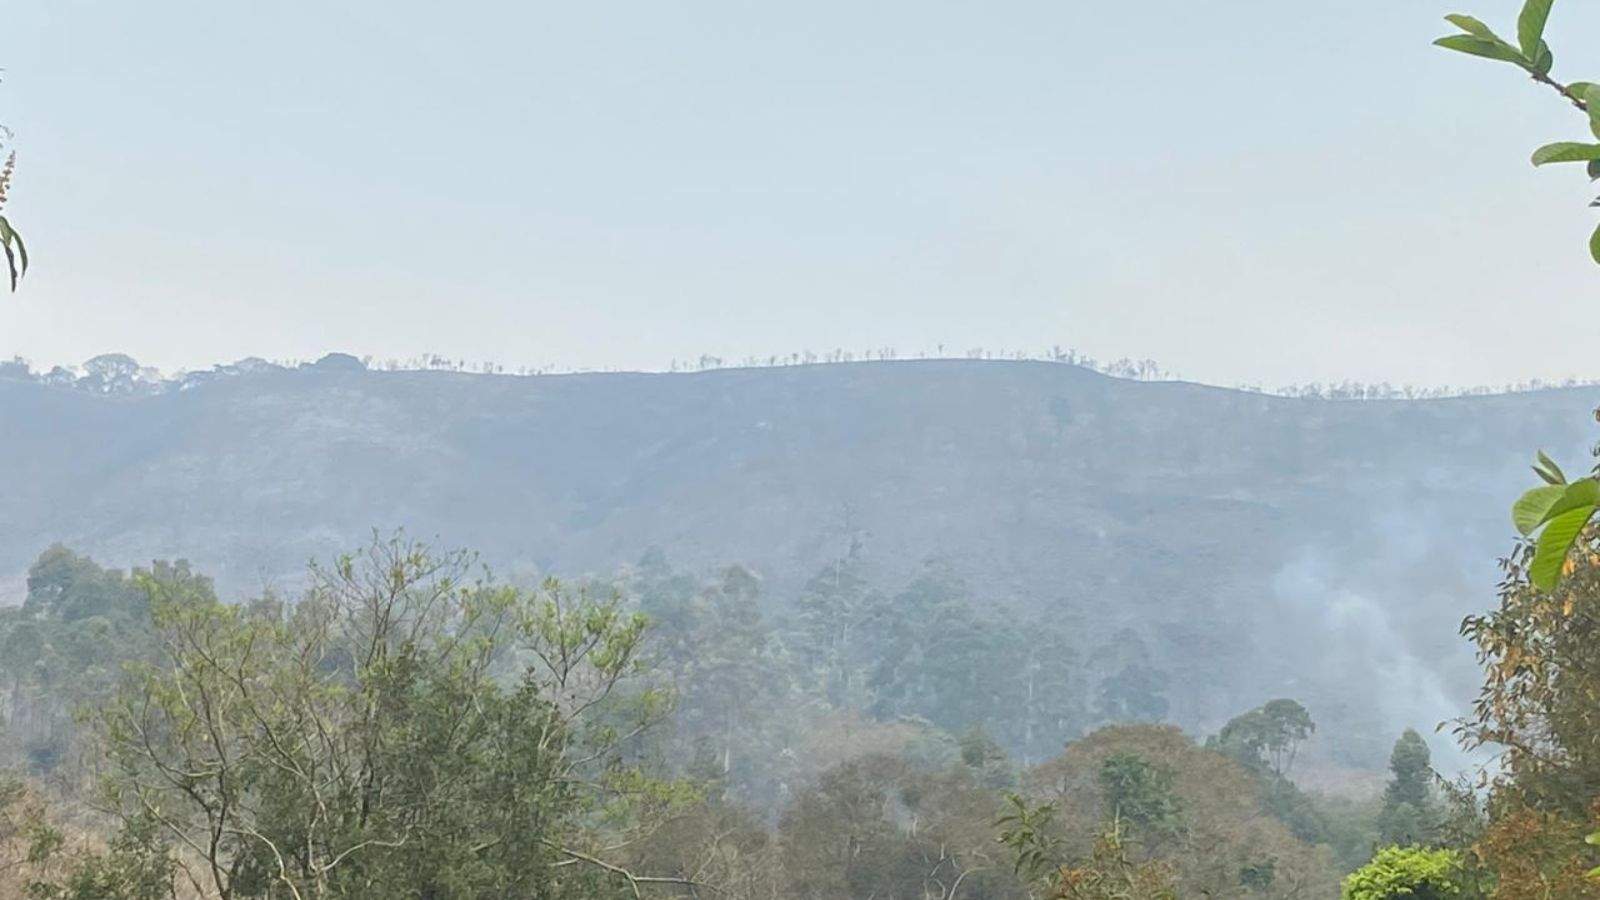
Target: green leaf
(1554,543)
(1476,46)
(1544,60)
(1580,493)
(1530,27)
(10,238)
(1594,245)
(1593,839)
(1565,151)
(1590,94)
(1471,26)
(1549,465)
(22,251)
(1530,508)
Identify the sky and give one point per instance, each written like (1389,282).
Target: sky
(1244,191)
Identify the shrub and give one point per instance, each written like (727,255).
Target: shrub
(1406,872)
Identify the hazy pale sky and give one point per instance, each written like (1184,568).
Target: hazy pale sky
(1243,190)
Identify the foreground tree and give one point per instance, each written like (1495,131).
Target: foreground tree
(403,731)
(1541,654)
(1525,707)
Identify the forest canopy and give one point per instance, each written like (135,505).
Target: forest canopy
(411,726)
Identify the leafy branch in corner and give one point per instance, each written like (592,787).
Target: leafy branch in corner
(10,241)
(1532,55)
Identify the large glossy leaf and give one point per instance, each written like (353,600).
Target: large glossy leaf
(1530,26)
(1580,493)
(1554,543)
(1477,46)
(1565,151)
(1530,509)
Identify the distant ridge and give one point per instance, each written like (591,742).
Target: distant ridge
(118,373)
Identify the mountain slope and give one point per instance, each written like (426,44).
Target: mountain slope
(1265,546)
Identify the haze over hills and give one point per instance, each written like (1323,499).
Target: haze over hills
(1259,546)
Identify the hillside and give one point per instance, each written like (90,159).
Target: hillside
(1263,546)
